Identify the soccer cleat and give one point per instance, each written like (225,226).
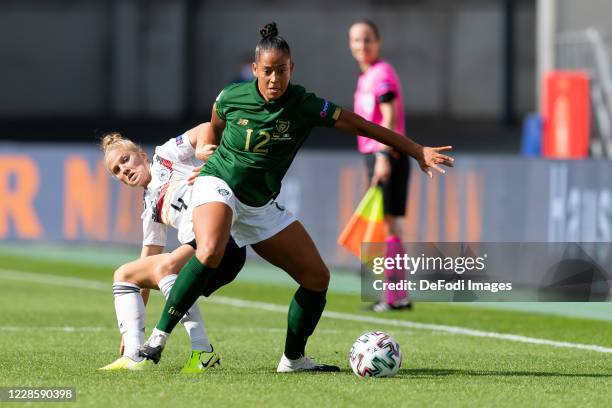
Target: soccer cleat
(401,304)
(150,352)
(303,364)
(152,348)
(125,363)
(200,361)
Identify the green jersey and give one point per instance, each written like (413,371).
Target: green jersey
(261,138)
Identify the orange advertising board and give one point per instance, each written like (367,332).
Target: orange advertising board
(566,109)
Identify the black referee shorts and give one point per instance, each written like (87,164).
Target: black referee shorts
(231,264)
(395,189)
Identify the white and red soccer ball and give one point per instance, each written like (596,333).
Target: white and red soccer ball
(375,354)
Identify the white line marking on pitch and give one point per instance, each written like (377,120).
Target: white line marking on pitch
(413,325)
(88,284)
(271,330)
(67,329)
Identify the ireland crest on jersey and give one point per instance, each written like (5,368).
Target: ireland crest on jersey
(282,125)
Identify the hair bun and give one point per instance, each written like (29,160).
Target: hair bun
(270,30)
(114,140)
(110,139)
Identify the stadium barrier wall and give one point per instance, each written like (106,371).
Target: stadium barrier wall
(63,193)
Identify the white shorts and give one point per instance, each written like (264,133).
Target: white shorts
(250,225)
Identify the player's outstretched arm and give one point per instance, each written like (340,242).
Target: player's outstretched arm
(197,135)
(428,157)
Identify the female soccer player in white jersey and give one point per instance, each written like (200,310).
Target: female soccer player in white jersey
(261,125)
(167,204)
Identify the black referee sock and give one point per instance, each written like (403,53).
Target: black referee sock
(304,314)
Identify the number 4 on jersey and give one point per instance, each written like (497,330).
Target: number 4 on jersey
(180,205)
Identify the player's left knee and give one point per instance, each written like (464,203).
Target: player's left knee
(210,254)
(325,276)
(319,281)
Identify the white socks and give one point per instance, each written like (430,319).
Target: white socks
(158,338)
(130,311)
(129,308)
(192,320)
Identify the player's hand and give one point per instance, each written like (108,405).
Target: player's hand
(203,153)
(195,172)
(431,158)
(382,170)
(121,347)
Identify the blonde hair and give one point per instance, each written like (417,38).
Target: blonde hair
(114,140)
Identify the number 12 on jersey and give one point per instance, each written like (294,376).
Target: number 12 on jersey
(259,146)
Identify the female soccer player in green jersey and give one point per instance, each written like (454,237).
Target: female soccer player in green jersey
(259,127)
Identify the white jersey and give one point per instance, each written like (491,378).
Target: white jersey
(167,197)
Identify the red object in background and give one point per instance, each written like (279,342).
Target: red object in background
(566,110)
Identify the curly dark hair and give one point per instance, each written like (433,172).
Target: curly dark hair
(270,40)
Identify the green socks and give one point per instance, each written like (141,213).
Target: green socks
(304,314)
(190,283)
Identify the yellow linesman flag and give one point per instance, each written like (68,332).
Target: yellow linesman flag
(366,224)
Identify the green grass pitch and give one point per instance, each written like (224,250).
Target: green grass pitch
(56,331)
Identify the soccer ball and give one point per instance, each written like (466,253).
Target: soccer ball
(375,354)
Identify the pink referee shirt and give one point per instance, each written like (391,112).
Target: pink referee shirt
(378,80)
